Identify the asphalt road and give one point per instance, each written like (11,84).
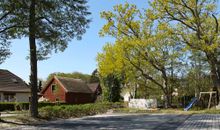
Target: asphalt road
(133,122)
(114,122)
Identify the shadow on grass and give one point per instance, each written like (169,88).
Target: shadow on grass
(10,122)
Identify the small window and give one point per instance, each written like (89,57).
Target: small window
(57,99)
(53,87)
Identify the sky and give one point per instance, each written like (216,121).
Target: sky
(80,56)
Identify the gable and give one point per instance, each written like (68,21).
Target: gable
(94,86)
(48,85)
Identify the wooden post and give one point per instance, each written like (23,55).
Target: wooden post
(210,98)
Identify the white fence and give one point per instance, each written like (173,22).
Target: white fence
(142,103)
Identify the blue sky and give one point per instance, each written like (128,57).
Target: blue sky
(80,55)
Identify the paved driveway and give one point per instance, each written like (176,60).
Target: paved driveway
(126,122)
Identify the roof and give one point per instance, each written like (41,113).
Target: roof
(93,86)
(74,85)
(9,82)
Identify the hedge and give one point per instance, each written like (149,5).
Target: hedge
(7,106)
(12,106)
(67,111)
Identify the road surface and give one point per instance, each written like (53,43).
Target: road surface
(132,121)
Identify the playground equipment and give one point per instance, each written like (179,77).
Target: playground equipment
(210,97)
(195,99)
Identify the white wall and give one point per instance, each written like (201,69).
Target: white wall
(22,97)
(127,97)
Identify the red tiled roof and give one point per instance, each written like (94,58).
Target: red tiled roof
(11,83)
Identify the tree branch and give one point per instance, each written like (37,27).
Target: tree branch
(216,23)
(179,20)
(13,26)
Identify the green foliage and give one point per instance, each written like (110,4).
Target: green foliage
(7,106)
(112,88)
(57,22)
(67,111)
(145,49)
(196,24)
(12,106)
(4,51)
(94,77)
(76,75)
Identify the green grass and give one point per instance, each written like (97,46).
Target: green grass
(167,111)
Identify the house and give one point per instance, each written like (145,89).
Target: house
(13,88)
(67,90)
(96,89)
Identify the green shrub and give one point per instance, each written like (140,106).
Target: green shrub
(12,106)
(7,106)
(67,111)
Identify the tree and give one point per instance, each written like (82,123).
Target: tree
(142,44)
(112,88)
(49,23)
(76,75)
(94,77)
(7,31)
(4,52)
(196,23)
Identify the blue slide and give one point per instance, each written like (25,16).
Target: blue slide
(193,101)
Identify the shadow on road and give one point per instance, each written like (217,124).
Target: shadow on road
(146,121)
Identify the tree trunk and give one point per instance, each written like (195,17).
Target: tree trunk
(215,71)
(33,62)
(135,91)
(169,102)
(216,85)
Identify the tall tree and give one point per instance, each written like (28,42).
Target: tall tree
(141,44)
(112,89)
(49,25)
(197,26)
(94,77)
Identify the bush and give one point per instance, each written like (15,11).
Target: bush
(7,106)
(12,106)
(67,111)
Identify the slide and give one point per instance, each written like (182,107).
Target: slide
(193,101)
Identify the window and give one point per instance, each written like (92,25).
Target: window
(9,97)
(57,99)
(54,88)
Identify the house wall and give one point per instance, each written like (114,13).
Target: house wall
(52,96)
(19,97)
(22,97)
(1,97)
(79,98)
